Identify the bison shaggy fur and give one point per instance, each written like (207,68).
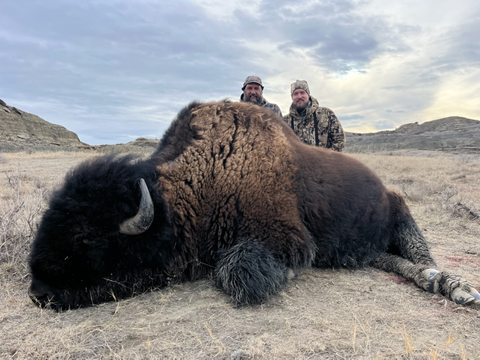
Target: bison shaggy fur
(236,194)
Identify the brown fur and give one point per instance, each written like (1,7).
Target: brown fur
(238,169)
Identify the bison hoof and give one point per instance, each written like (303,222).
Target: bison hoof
(462,297)
(459,290)
(432,278)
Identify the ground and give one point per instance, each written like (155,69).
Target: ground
(321,314)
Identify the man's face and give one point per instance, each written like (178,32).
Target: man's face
(253,93)
(300,99)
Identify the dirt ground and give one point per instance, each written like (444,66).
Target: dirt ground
(320,314)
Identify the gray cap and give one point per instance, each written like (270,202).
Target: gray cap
(299,84)
(252,79)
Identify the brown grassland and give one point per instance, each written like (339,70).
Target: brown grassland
(321,314)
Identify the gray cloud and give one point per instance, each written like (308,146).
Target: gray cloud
(106,59)
(334,35)
(113,70)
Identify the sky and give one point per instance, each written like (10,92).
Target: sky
(115,70)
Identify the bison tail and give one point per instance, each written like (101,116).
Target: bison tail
(250,273)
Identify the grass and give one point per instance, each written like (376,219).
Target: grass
(40,147)
(366,314)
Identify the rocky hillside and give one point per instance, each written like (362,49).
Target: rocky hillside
(453,134)
(140,145)
(21,130)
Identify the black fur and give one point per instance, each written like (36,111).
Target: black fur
(78,251)
(249,273)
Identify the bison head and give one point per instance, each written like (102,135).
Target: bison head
(100,238)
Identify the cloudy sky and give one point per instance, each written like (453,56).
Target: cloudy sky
(115,70)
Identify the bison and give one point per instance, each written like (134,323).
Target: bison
(230,191)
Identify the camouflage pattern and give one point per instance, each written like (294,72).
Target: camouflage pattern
(299,84)
(267,105)
(252,80)
(330,131)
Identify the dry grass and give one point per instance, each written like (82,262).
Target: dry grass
(366,314)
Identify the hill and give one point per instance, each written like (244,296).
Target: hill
(21,131)
(454,134)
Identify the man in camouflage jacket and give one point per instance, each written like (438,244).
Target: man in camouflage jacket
(315,125)
(253,92)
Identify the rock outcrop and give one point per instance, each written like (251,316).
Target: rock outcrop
(22,131)
(20,127)
(453,134)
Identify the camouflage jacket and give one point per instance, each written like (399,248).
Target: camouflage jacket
(266,104)
(329,130)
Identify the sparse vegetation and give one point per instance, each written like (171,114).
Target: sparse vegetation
(138,146)
(329,314)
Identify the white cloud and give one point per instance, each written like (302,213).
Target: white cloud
(456,95)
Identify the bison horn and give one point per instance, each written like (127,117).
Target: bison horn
(142,221)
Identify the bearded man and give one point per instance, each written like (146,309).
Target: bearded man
(314,125)
(253,92)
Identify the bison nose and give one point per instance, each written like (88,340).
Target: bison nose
(41,294)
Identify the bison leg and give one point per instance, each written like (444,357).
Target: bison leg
(409,241)
(410,255)
(414,261)
(452,286)
(250,273)
(425,277)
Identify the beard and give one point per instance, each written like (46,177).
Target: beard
(253,99)
(302,106)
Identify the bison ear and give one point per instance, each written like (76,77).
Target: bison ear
(142,221)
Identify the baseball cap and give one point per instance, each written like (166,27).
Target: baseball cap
(252,79)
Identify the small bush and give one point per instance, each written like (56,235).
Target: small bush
(19,215)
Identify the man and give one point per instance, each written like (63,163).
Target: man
(253,92)
(315,125)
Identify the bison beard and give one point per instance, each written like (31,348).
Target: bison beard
(235,194)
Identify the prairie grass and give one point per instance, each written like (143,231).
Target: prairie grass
(328,314)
